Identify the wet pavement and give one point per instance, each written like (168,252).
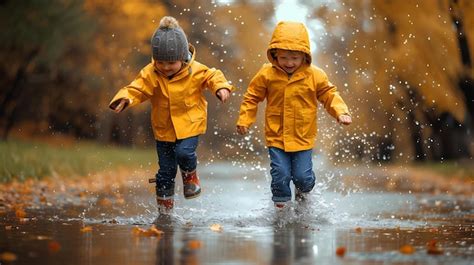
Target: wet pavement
(234,222)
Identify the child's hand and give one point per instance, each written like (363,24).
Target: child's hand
(122,105)
(242,130)
(344,119)
(223,94)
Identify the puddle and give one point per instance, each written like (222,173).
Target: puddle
(370,226)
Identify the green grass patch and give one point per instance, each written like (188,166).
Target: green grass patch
(460,169)
(29,159)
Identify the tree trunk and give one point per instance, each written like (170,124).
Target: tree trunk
(466,82)
(10,101)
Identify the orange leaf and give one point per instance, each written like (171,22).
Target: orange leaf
(407,249)
(20,213)
(86,229)
(8,257)
(54,246)
(194,244)
(341,251)
(358,230)
(153,231)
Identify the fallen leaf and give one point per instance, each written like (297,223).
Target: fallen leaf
(358,230)
(407,249)
(341,251)
(86,229)
(216,227)
(194,244)
(20,213)
(54,246)
(152,231)
(7,257)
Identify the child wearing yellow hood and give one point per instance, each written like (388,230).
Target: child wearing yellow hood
(174,83)
(292,86)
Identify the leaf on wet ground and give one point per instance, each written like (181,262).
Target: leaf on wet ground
(54,246)
(358,230)
(216,227)
(341,251)
(7,257)
(194,244)
(407,249)
(20,213)
(151,232)
(86,229)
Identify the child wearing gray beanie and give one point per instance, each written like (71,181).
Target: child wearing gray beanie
(169,42)
(174,83)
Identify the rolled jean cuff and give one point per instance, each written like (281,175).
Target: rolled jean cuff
(281,199)
(307,184)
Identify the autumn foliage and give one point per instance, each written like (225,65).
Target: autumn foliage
(405,70)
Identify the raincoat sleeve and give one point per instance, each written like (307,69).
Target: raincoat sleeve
(328,95)
(214,80)
(136,92)
(256,93)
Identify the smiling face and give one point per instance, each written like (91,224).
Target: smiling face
(289,61)
(168,68)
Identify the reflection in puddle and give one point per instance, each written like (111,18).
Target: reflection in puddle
(371,227)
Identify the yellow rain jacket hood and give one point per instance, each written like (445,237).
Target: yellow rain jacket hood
(291,110)
(179,108)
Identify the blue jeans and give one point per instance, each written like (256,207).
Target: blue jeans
(181,153)
(290,166)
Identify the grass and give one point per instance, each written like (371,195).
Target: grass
(461,169)
(21,160)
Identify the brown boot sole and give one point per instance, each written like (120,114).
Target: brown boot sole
(193,196)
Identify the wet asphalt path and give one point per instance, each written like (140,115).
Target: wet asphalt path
(234,222)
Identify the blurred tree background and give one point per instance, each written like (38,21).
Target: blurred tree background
(403,67)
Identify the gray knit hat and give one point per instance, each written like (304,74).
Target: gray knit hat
(169,42)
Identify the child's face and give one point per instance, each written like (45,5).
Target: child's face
(290,61)
(168,68)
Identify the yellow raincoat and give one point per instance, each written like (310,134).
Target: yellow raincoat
(291,111)
(179,108)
